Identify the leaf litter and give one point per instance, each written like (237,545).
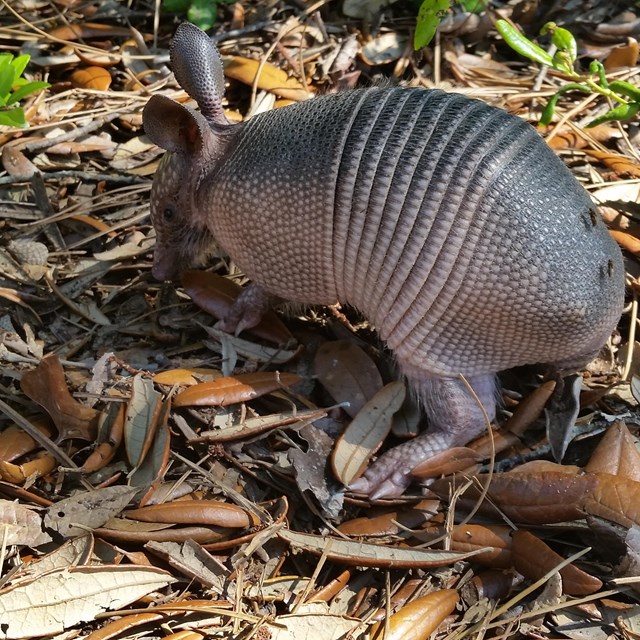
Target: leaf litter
(155,471)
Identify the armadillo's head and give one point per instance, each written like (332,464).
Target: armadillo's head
(183,238)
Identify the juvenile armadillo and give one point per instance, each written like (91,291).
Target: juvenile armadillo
(449,224)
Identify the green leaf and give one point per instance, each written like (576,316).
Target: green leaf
(5,60)
(621,112)
(430,15)
(547,113)
(626,89)
(473,6)
(26,89)
(203,13)
(20,64)
(13,118)
(523,45)
(549,110)
(176,6)
(598,68)
(563,40)
(6,82)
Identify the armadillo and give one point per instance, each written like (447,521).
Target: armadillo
(448,223)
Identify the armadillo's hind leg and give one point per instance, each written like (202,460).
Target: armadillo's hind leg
(247,309)
(455,418)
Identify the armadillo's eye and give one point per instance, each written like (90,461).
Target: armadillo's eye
(169,214)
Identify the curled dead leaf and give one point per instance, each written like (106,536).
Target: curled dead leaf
(533,498)
(196,512)
(241,388)
(614,498)
(46,385)
(271,78)
(215,295)
(616,454)
(446,462)
(348,373)
(533,558)
(97,78)
(352,552)
(418,619)
(366,432)
(187,377)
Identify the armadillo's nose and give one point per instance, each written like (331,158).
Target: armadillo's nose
(165,266)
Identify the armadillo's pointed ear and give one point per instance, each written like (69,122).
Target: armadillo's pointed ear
(173,126)
(198,68)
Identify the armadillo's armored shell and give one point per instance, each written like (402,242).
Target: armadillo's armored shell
(450,224)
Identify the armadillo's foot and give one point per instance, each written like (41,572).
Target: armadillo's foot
(454,420)
(247,310)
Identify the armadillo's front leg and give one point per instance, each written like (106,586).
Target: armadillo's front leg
(247,309)
(454,420)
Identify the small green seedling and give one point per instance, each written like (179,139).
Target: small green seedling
(202,13)
(625,95)
(13,88)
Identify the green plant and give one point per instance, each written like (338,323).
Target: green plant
(625,95)
(203,13)
(13,88)
(431,13)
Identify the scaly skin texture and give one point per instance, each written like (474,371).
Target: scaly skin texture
(448,223)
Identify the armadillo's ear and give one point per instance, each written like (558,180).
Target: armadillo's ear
(198,68)
(174,126)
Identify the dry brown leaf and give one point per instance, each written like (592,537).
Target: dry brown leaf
(40,465)
(616,454)
(366,432)
(46,385)
(97,78)
(352,552)
(626,241)
(418,619)
(533,498)
(446,462)
(391,522)
(89,509)
(72,32)
(572,138)
(124,624)
(624,55)
(187,377)
(21,525)
(215,295)
(615,499)
(112,420)
(14,442)
(191,560)
(623,166)
(251,427)
(201,535)
(472,537)
(241,388)
(489,585)
(195,512)
(271,78)
(64,598)
(533,558)
(530,408)
(348,373)
(142,419)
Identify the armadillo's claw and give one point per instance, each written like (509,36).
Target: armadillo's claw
(390,475)
(377,487)
(246,311)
